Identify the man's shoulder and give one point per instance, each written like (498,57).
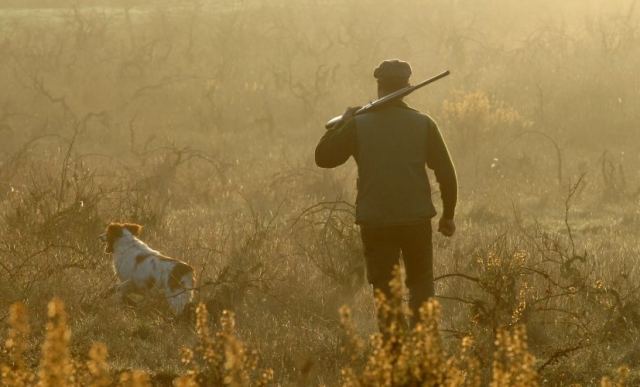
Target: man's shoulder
(398,111)
(431,123)
(394,109)
(420,116)
(416,111)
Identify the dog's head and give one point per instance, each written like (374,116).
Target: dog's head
(116,231)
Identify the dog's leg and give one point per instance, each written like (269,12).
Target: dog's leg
(181,296)
(123,289)
(177,300)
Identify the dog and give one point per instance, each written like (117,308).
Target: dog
(140,268)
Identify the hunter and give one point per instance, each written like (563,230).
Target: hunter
(392,146)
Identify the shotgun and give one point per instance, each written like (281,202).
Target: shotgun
(387,98)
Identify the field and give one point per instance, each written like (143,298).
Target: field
(198,120)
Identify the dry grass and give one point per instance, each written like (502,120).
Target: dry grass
(199,121)
(397,356)
(217,359)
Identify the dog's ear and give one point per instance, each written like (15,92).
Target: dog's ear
(114,230)
(134,229)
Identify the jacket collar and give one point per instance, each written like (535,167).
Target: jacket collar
(397,103)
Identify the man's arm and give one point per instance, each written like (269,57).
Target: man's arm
(337,145)
(439,160)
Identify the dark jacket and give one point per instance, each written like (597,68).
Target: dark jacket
(392,146)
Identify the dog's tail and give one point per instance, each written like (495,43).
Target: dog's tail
(182,295)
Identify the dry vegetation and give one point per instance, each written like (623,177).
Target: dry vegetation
(198,120)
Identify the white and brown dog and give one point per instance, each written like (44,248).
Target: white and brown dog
(139,267)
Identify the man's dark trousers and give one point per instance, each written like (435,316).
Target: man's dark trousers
(382,248)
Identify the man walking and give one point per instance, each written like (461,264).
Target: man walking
(392,145)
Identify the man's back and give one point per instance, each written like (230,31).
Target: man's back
(393,187)
(391,146)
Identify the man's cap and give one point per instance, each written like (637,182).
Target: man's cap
(393,68)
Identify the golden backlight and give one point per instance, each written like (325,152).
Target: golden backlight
(198,120)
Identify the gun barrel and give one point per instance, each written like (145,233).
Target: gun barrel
(388,98)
